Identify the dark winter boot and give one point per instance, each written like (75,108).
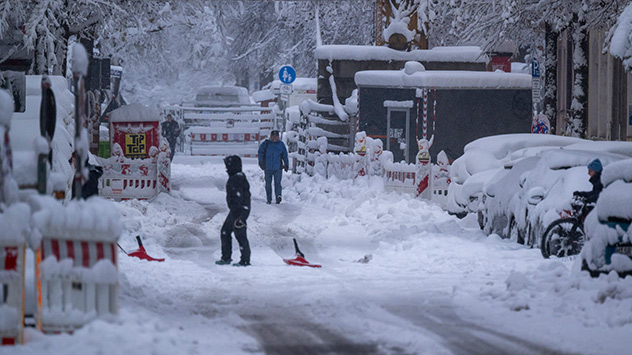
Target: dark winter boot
(278,199)
(223,262)
(241,263)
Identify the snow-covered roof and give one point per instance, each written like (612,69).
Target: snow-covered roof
(448,79)
(471,54)
(134,113)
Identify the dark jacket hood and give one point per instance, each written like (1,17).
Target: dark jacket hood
(233,164)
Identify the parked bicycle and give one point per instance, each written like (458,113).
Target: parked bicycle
(566,236)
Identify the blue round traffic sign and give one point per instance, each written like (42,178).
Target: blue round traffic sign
(287,74)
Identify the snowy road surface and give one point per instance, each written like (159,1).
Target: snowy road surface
(399,276)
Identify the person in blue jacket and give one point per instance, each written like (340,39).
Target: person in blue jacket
(273,158)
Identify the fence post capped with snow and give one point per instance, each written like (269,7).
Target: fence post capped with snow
(423,169)
(15,221)
(76,262)
(139,166)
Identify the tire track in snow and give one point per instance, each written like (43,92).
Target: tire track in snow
(437,315)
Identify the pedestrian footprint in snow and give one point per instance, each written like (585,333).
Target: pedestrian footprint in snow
(238,200)
(273,158)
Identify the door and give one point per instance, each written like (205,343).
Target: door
(398,135)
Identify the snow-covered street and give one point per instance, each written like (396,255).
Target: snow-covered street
(399,276)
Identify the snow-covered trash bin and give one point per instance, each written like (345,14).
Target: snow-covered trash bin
(77,262)
(15,228)
(609,245)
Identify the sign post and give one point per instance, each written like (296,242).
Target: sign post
(287,75)
(540,123)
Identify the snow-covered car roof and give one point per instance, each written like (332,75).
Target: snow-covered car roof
(504,144)
(218,96)
(564,158)
(620,170)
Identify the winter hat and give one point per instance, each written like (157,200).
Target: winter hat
(274,133)
(595,166)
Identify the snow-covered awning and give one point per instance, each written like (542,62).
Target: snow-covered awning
(444,79)
(468,54)
(134,113)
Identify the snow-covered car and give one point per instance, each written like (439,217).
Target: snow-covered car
(492,153)
(25,130)
(221,96)
(521,203)
(609,246)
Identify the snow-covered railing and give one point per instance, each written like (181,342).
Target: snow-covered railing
(77,263)
(223,130)
(141,179)
(221,141)
(400,177)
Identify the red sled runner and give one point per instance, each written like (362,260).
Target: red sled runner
(299,260)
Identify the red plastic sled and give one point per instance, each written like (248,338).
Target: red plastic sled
(141,253)
(299,260)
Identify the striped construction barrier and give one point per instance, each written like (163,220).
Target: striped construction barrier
(78,282)
(222,141)
(141,179)
(12,294)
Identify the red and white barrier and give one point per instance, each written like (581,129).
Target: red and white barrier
(77,263)
(141,179)
(12,268)
(222,141)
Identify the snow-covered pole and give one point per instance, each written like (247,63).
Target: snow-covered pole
(79,71)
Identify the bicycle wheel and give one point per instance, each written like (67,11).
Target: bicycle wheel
(564,237)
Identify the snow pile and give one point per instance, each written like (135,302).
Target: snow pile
(572,296)
(94,219)
(15,222)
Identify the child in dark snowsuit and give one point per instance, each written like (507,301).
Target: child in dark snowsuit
(238,200)
(594,170)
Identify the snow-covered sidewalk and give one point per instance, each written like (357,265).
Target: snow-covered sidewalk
(399,275)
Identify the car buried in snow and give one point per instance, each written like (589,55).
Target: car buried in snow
(521,202)
(487,155)
(609,246)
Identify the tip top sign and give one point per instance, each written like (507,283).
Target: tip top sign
(287,74)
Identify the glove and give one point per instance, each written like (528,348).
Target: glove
(285,168)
